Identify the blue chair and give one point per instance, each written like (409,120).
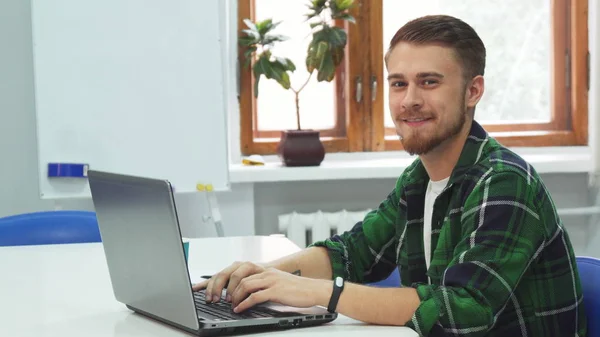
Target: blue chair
(589,272)
(392,281)
(46,228)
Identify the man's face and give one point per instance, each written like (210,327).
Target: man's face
(427,96)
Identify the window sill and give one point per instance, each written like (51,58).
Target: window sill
(382,165)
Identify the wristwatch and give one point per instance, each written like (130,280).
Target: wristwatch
(338,286)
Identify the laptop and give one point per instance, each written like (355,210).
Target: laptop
(144,252)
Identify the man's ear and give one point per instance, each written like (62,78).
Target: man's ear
(474,92)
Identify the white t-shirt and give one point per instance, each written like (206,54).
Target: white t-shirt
(434,188)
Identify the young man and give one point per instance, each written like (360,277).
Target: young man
(470,224)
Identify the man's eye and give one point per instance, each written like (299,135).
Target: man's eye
(398,84)
(429,82)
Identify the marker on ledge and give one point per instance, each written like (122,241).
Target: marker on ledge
(213,206)
(67,170)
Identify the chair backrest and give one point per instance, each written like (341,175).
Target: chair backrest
(51,227)
(589,272)
(392,281)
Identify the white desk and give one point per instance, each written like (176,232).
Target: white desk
(65,290)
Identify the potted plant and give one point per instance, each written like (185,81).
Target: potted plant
(325,53)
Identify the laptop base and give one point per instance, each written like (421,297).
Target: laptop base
(213,328)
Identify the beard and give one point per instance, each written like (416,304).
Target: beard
(419,142)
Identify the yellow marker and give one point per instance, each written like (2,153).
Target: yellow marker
(213,206)
(253,160)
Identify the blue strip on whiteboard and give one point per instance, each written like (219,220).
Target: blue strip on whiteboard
(67,170)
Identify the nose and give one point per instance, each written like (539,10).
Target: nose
(412,100)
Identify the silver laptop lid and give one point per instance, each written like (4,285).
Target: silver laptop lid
(143,248)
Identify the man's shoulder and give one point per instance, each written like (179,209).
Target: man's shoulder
(502,173)
(497,159)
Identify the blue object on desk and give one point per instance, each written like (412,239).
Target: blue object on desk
(392,281)
(67,170)
(52,227)
(186,250)
(589,272)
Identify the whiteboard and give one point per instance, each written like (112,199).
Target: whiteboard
(133,87)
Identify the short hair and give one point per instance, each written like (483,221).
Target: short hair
(447,31)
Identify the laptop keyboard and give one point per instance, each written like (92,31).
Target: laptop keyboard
(223,310)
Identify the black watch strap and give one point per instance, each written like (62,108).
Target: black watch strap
(338,286)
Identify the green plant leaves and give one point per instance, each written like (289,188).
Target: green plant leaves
(270,39)
(273,68)
(265,26)
(326,52)
(336,36)
(258,36)
(343,5)
(326,70)
(339,8)
(311,60)
(259,33)
(286,63)
(316,7)
(319,58)
(247,41)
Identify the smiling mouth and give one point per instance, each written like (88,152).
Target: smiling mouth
(415,121)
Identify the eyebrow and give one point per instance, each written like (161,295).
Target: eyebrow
(419,75)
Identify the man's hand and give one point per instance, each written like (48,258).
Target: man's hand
(281,287)
(232,274)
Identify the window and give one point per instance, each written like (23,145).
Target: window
(317,99)
(536,74)
(324,106)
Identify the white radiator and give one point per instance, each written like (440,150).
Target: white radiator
(306,228)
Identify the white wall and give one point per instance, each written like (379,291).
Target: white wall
(18,144)
(19,188)
(247,208)
(17,126)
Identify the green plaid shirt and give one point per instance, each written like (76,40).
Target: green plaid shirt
(502,263)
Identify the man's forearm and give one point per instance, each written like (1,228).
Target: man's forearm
(383,306)
(311,262)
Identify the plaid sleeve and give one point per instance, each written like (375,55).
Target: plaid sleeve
(367,252)
(502,235)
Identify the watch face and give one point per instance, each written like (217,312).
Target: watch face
(339,281)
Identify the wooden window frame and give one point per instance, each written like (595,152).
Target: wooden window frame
(569,117)
(360,112)
(347,136)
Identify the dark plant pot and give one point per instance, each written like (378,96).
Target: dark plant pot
(301,148)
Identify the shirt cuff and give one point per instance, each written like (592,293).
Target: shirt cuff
(428,312)
(337,256)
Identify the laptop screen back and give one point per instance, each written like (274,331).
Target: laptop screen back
(142,244)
